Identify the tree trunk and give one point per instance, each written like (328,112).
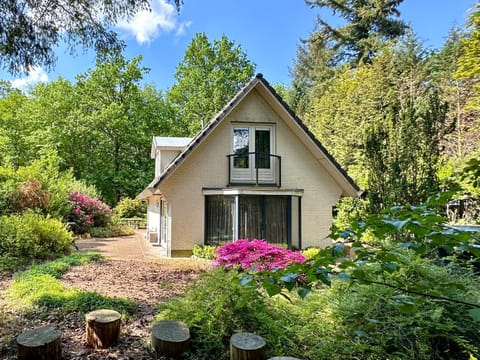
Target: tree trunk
(247,346)
(43,343)
(102,328)
(170,338)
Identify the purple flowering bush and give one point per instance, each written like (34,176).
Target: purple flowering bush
(87,212)
(256,255)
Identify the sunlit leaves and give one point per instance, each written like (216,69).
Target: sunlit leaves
(208,76)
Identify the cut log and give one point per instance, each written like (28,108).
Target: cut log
(284,358)
(42,343)
(247,346)
(102,328)
(170,338)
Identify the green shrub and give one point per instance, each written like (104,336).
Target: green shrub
(216,307)
(113,230)
(28,237)
(130,208)
(40,187)
(120,230)
(310,253)
(344,321)
(87,213)
(371,322)
(204,251)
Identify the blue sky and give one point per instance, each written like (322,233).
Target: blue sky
(267,30)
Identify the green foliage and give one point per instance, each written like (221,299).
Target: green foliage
(130,208)
(468,67)
(101,126)
(30,237)
(368,25)
(310,253)
(31,38)
(384,122)
(344,320)
(215,308)
(208,76)
(367,321)
(112,230)
(39,186)
(348,210)
(39,287)
(204,251)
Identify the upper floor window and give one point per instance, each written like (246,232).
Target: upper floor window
(253,152)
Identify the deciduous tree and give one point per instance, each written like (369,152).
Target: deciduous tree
(30,29)
(208,76)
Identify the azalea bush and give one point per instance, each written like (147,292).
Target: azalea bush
(256,255)
(87,212)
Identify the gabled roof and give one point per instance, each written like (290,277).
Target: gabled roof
(258,82)
(169,143)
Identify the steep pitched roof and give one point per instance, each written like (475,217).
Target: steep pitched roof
(258,81)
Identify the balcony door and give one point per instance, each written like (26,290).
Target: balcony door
(252,146)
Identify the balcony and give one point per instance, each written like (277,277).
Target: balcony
(252,168)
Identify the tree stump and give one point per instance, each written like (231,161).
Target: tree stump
(42,343)
(170,338)
(247,346)
(102,328)
(284,358)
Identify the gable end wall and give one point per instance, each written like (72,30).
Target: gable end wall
(206,166)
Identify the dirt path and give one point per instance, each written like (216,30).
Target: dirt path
(145,282)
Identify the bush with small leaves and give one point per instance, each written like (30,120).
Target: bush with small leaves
(28,237)
(204,251)
(256,255)
(130,208)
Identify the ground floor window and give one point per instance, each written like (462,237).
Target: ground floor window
(275,218)
(219,219)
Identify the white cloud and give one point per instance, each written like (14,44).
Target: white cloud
(146,26)
(182,28)
(35,75)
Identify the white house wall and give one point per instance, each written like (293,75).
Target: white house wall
(153,215)
(206,166)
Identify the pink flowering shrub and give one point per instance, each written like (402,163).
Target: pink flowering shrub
(256,255)
(87,212)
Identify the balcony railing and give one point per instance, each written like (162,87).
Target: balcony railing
(254,169)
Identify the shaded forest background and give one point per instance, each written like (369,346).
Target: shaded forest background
(402,119)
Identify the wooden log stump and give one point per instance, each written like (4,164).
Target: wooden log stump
(102,328)
(247,346)
(284,358)
(170,338)
(42,343)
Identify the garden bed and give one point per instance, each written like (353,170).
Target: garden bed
(146,283)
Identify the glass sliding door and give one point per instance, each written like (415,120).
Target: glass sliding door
(250,217)
(267,217)
(264,217)
(276,219)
